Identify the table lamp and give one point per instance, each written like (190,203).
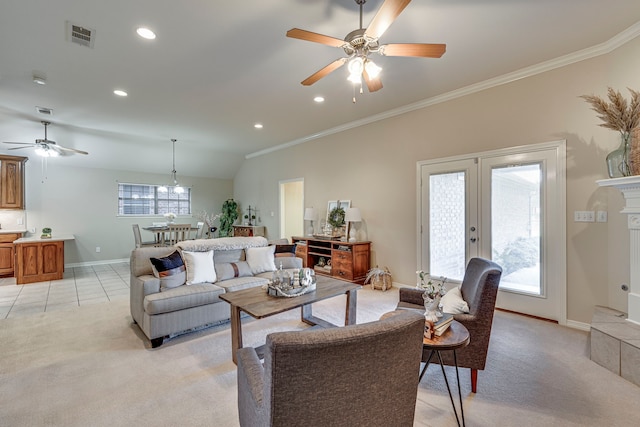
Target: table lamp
(352,215)
(310,215)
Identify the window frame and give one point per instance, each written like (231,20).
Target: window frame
(180,204)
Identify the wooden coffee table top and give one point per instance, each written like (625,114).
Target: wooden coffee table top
(258,304)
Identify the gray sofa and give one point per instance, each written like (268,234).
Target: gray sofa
(162,309)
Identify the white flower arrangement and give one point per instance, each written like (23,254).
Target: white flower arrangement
(170,216)
(431,289)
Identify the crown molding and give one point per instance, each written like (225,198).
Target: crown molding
(601,49)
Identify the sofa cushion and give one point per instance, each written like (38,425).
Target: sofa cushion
(170,270)
(261,259)
(230,255)
(229,270)
(182,297)
(199,267)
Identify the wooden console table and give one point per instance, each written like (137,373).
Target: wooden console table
(39,260)
(248,230)
(348,261)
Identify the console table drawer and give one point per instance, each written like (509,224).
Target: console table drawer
(342,272)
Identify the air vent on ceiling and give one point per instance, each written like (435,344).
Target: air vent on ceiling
(81,35)
(44,110)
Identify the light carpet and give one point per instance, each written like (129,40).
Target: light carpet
(91,366)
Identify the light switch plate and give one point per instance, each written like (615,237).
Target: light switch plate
(584,216)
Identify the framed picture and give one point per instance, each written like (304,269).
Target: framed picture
(331,205)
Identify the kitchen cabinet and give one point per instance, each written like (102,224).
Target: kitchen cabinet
(7,253)
(39,260)
(12,182)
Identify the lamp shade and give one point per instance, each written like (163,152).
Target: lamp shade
(309,214)
(352,215)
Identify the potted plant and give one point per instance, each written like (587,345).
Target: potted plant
(379,278)
(228,217)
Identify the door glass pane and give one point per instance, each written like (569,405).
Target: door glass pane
(447,209)
(515,226)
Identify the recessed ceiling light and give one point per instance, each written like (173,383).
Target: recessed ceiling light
(258,126)
(319,99)
(146,33)
(120,92)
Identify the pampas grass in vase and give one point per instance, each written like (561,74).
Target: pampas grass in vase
(624,117)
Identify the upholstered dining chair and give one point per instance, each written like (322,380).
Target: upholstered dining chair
(357,375)
(138,238)
(177,233)
(479,289)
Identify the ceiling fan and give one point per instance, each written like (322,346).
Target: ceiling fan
(358,44)
(45,147)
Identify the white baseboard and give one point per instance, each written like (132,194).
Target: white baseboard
(578,325)
(90,263)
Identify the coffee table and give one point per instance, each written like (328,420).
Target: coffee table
(257,304)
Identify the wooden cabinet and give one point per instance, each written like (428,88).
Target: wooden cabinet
(39,261)
(348,261)
(7,253)
(248,230)
(12,182)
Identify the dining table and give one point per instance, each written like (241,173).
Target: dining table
(159,231)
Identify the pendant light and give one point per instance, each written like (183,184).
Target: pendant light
(174,177)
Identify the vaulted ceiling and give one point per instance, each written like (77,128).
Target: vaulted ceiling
(218,67)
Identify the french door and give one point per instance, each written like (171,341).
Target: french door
(508,206)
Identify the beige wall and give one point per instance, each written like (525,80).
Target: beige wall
(84,202)
(378,168)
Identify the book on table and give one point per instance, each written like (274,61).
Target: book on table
(442,324)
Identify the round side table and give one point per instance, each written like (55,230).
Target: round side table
(455,337)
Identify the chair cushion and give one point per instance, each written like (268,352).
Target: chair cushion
(452,302)
(261,259)
(170,270)
(182,297)
(200,267)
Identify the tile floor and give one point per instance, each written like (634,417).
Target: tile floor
(80,286)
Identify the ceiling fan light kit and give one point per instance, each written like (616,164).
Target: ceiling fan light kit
(359,43)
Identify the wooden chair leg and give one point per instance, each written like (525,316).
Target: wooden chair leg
(474,380)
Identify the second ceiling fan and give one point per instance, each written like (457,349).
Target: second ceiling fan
(358,44)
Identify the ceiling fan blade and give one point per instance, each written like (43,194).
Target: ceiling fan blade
(323,72)
(72,150)
(297,33)
(373,84)
(425,50)
(18,148)
(19,143)
(385,16)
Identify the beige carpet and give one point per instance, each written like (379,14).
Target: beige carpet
(91,367)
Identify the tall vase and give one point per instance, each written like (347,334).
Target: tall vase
(618,159)
(634,152)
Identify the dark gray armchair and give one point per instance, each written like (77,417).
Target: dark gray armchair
(356,375)
(479,289)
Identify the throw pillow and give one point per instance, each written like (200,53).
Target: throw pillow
(170,270)
(285,251)
(199,267)
(261,259)
(229,270)
(453,303)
